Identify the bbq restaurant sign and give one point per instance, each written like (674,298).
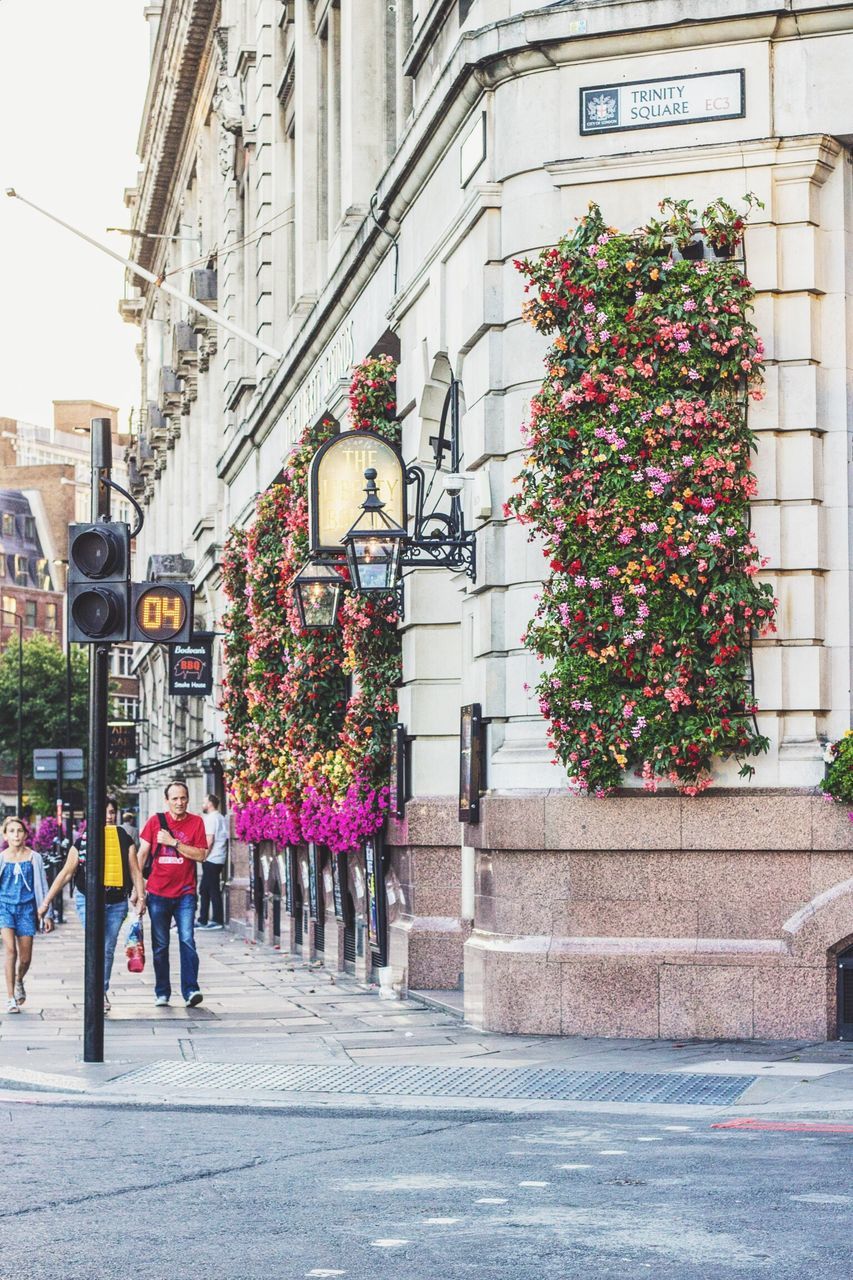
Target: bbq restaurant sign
(649,104)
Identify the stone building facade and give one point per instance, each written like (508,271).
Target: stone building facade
(346,177)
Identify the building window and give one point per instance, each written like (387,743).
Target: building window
(31,618)
(22,571)
(29,528)
(10,605)
(2,565)
(43,581)
(8,525)
(50,616)
(126,708)
(122,663)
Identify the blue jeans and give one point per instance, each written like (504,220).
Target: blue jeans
(160,912)
(115,914)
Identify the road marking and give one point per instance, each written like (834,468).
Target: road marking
(534,1184)
(322,1271)
(676,1128)
(490,1200)
(615,1152)
(649,1139)
(572,1166)
(816,1197)
(782,1126)
(440,1222)
(388,1244)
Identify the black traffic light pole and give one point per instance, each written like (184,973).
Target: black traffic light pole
(99,658)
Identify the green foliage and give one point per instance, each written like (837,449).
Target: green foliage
(43,698)
(637,486)
(838,782)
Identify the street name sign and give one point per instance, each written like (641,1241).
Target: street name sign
(46,760)
(650,104)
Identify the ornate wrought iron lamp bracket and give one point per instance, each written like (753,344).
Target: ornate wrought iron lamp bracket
(440,539)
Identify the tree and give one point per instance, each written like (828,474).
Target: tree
(43,699)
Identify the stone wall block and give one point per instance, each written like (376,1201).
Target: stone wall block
(434,652)
(798,397)
(799,467)
(513,822)
(613,997)
(762,257)
(513,873)
(710,1002)
(618,876)
(625,918)
(796,327)
(766,525)
(800,615)
(790,1003)
(618,822)
(802,537)
(798,258)
(436,881)
(804,678)
(767,661)
(765,414)
(831,827)
(433,821)
(524,996)
(746,822)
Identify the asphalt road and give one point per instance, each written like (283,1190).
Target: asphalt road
(93,1193)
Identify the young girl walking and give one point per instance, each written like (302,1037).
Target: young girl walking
(22,885)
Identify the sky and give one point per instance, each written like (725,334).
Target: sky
(72,86)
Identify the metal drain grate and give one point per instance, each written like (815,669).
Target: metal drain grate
(443,1082)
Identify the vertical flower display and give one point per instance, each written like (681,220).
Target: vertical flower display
(637,484)
(308,712)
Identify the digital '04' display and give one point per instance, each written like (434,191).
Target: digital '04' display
(161,613)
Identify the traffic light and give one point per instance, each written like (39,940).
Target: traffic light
(162,612)
(98,582)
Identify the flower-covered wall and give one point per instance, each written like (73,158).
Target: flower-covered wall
(638,485)
(308,712)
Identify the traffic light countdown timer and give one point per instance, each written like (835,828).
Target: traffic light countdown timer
(162,613)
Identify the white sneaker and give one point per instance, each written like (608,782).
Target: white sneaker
(12,1006)
(20,993)
(161,1001)
(212,925)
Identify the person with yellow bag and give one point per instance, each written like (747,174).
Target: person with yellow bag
(122,881)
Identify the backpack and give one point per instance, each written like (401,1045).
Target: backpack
(149,861)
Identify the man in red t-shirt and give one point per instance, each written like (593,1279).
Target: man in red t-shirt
(171,889)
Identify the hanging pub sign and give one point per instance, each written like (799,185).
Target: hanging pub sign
(336,487)
(398,770)
(649,104)
(191,666)
(121,741)
(470,762)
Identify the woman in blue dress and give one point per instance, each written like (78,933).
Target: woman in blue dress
(23,884)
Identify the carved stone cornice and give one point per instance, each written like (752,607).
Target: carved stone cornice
(186,42)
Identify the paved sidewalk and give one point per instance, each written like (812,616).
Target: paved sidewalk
(302,1036)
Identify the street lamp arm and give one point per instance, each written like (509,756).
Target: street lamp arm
(158,283)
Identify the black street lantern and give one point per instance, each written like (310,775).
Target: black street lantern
(318,589)
(374,544)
